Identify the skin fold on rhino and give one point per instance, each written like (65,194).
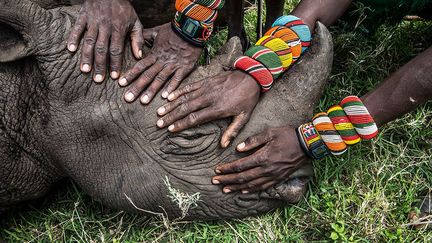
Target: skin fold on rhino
(57,123)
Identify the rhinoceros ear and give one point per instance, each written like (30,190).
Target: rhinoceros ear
(21,22)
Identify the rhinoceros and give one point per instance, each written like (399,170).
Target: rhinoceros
(56,123)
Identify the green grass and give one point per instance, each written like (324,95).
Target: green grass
(364,196)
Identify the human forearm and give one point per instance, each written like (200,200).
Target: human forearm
(403,91)
(327,12)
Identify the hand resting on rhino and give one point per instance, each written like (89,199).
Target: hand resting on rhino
(57,123)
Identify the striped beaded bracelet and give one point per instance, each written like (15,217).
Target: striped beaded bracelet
(212,4)
(343,125)
(257,70)
(329,134)
(196,11)
(298,26)
(360,117)
(266,57)
(282,49)
(290,37)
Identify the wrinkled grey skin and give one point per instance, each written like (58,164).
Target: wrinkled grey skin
(56,123)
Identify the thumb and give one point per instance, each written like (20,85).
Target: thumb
(233,129)
(151,33)
(137,40)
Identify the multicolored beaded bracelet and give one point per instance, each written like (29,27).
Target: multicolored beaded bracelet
(298,26)
(196,11)
(290,37)
(342,125)
(266,57)
(212,4)
(282,49)
(257,70)
(313,141)
(329,134)
(359,117)
(191,30)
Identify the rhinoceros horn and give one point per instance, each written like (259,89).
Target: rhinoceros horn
(22,29)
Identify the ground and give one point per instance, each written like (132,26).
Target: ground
(365,195)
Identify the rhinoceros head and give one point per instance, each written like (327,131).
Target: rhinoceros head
(114,150)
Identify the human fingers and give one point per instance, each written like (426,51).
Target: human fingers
(184,109)
(137,39)
(87,51)
(142,82)
(254,141)
(136,70)
(194,119)
(76,33)
(157,83)
(233,129)
(170,106)
(101,54)
(239,178)
(184,90)
(258,184)
(175,81)
(242,164)
(116,53)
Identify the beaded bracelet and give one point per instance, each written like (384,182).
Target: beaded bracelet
(342,125)
(282,49)
(212,4)
(359,117)
(298,26)
(266,57)
(290,37)
(196,11)
(258,71)
(313,141)
(191,30)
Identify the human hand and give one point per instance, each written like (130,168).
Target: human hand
(279,156)
(171,59)
(107,23)
(233,94)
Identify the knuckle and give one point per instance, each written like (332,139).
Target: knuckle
(116,51)
(192,118)
(89,40)
(184,107)
(101,49)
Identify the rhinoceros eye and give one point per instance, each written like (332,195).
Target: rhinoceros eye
(192,141)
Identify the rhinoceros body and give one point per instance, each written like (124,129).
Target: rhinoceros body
(56,123)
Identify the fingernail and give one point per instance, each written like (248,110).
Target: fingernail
(161,111)
(218,171)
(86,68)
(226,144)
(98,78)
(165,95)
(241,146)
(114,75)
(245,192)
(226,190)
(171,97)
(129,96)
(171,128)
(72,47)
(140,53)
(216,182)
(160,123)
(123,82)
(145,99)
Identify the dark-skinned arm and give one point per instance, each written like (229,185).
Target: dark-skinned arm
(194,106)
(103,25)
(402,92)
